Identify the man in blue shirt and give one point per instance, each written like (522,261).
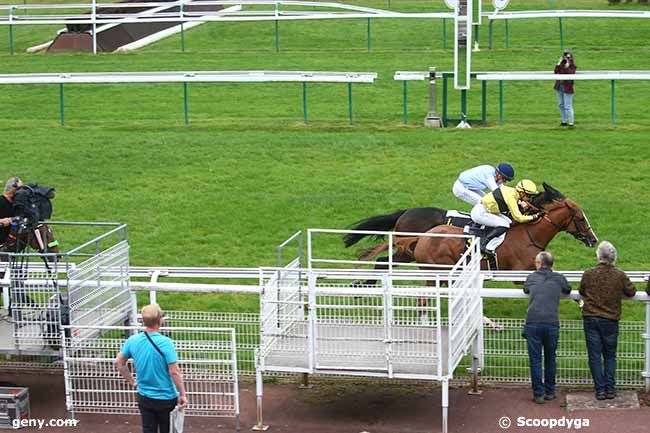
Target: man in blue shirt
(159,379)
(471,184)
(542,329)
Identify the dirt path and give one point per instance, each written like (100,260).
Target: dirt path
(346,407)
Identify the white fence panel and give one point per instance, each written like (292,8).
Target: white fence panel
(207,357)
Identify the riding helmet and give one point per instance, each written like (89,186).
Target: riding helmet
(506,170)
(527,186)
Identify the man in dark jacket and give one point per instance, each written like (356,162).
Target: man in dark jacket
(542,328)
(7,208)
(602,288)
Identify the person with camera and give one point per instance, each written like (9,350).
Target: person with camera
(7,208)
(159,381)
(564,88)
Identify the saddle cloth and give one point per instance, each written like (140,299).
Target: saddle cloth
(463,220)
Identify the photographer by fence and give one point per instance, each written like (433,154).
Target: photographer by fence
(564,88)
(159,379)
(602,288)
(542,328)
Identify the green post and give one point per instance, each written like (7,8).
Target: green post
(444,99)
(388,4)
(444,33)
(369,39)
(463,104)
(304,101)
(561,34)
(484,102)
(61,105)
(350,102)
(11,31)
(507,33)
(11,39)
(500,102)
(491,27)
(406,111)
(476,27)
(182,38)
(613,102)
(277,36)
(186,110)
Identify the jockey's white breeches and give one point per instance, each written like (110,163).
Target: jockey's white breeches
(467,195)
(480,215)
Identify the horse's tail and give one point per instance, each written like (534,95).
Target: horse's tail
(378,223)
(371,253)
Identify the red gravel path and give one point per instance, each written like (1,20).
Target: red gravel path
(346,407)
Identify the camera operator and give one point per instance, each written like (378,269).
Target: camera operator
(6,206)
(564,88)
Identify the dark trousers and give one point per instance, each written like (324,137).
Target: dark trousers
(602,338)
(155,414)
(542,338)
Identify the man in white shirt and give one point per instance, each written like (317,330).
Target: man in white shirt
(471,184)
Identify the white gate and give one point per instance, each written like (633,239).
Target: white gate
(85,285)
(207,358)
(325,321)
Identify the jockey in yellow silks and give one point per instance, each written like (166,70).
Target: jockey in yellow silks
(499,208)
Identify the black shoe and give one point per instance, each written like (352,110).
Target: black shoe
(539,399)
(563,124)
(610,395)
(601,396)
(549,397)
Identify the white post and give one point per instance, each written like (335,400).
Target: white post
(309,249)
(233,356)
(646,336)
(445,403)
(259,392)
(311,324)
(6,286)
(94,19)
(390,253)
(152,292)
(387,282)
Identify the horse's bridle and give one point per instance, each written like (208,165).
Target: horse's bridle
(579,235)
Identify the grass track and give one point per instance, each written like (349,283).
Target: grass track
(247,173)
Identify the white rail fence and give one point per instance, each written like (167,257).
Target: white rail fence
(207,357)
(187,77)
(505,352)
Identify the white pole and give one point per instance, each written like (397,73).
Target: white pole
(259,391)
(94,19)
(646,336)
(445,403)
(152,292)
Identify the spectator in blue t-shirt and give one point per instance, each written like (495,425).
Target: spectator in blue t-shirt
(159,379)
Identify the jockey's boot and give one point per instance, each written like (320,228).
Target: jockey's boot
(495,232)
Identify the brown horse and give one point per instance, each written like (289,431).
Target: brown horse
(522,242)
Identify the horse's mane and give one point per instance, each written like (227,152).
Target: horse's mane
(550,195)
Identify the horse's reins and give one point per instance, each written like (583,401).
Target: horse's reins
(559,227)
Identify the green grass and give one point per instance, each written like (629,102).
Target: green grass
(247,173)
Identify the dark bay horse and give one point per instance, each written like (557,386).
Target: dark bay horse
(522,242)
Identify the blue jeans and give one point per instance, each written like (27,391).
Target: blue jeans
(602,338)
(565,101)
(542,338)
